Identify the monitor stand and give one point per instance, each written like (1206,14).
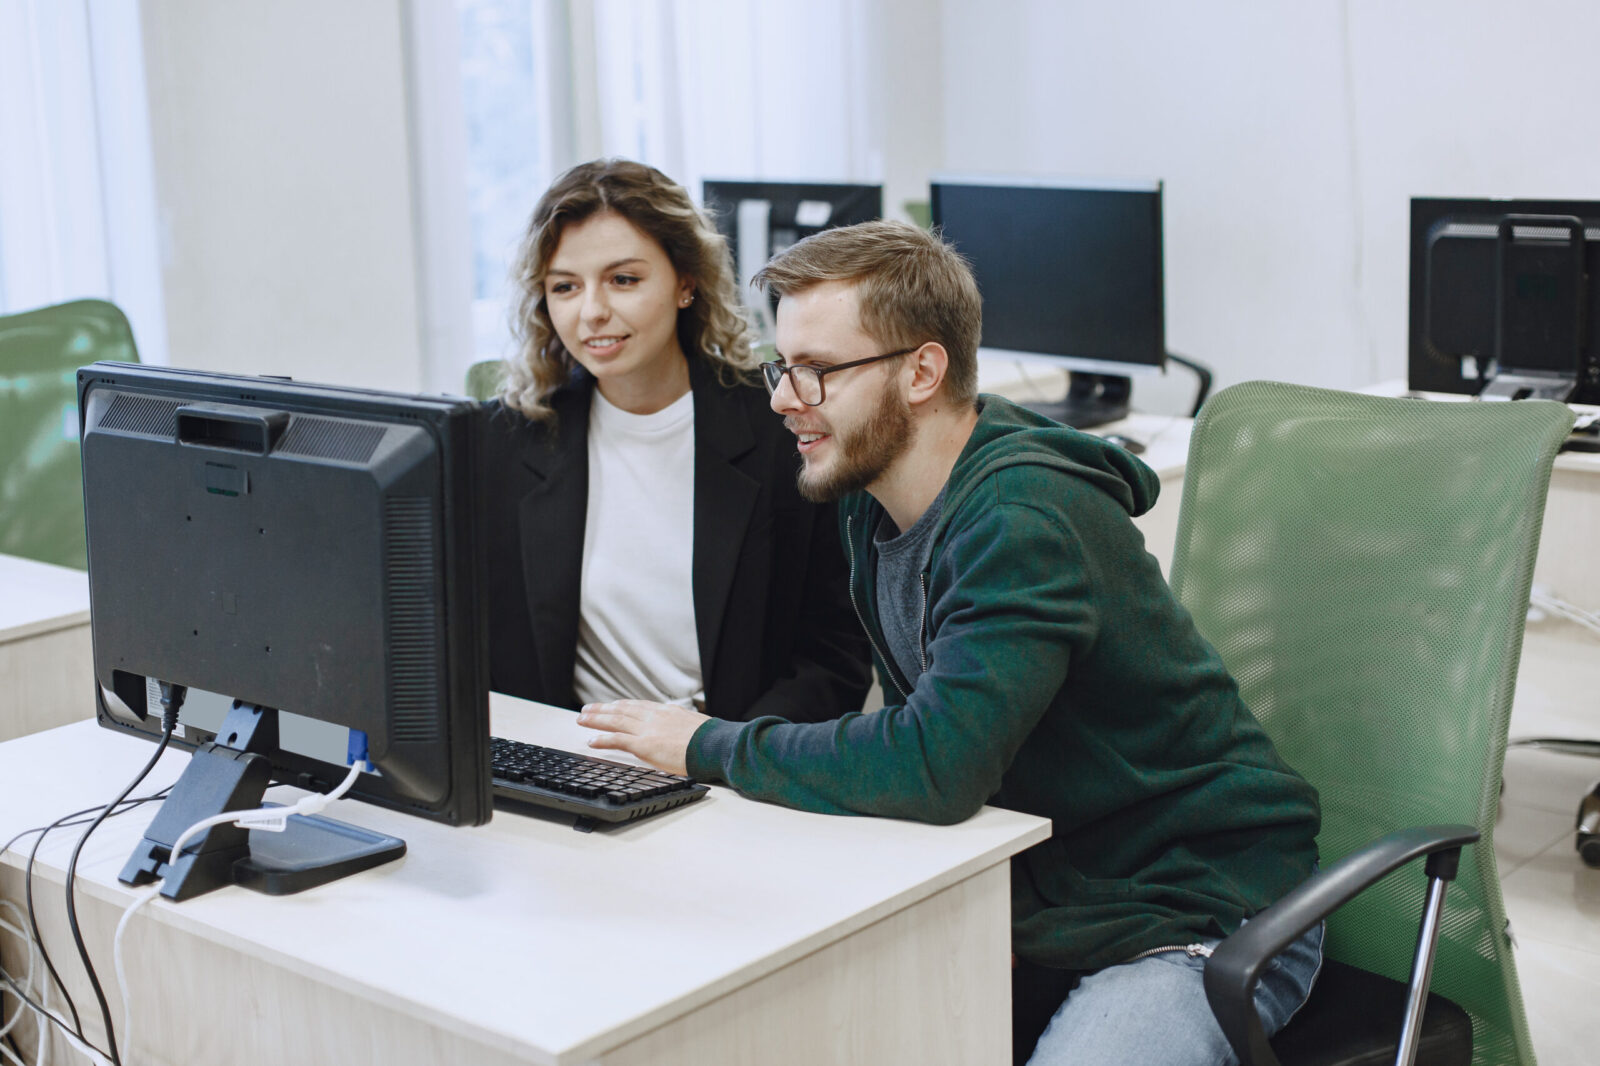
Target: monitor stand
(1529,385)
(233,776)
(1092,400)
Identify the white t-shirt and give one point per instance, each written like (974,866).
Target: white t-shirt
(636,630)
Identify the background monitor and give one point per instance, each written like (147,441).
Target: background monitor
(1505,298)
(304,549)
(1069,272)
(762,218)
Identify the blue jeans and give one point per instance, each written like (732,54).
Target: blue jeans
(1153,1011)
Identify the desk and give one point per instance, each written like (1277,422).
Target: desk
(726,931)
(1569,561)
(46,663)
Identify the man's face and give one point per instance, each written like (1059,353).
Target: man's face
(864,422)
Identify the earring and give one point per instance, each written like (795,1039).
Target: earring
(686,301)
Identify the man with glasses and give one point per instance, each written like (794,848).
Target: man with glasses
(1031,656)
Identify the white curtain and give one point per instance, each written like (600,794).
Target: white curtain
(506,94)
(77,204)
(780,90)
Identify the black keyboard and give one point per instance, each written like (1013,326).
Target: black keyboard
(596,790)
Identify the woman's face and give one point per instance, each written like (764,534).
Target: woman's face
(614,299)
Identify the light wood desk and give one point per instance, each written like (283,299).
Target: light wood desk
(1569,545)
(46,664)
(726,931)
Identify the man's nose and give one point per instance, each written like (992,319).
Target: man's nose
(783,399)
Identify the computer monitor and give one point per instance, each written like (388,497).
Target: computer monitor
(1505,298)
(1071,273)
(762,218)
(314,553)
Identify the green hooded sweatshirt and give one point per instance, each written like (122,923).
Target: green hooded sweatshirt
(1063,679)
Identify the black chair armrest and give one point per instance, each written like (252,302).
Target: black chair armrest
(1232,970)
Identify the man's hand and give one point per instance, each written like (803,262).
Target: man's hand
(658,733)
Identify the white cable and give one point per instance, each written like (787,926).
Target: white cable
(1587,619)
(116,960)
(42,1056)
(64,1027)
(270,819)
(1563,605)
(26,982)
(1555,601)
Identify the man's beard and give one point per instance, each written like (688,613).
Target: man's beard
(863,454)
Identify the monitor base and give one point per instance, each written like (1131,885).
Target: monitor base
(1092,400)
(312,850)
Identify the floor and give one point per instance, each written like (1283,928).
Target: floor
(1551,897)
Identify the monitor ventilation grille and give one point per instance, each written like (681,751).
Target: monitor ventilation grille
(132,413)
(414,639)
(328,438)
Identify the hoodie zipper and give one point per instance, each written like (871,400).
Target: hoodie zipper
(1191,950)
(922,625)
(850,543)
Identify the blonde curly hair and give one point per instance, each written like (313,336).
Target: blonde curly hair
(713,327)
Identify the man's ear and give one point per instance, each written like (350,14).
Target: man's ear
(929,364)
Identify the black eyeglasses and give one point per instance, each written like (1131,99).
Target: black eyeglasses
(807,380)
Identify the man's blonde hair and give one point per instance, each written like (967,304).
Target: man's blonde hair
(912,288)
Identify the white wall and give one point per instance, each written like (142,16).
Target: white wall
(1291,137)
(282,178)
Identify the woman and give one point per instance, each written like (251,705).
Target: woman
(647,540)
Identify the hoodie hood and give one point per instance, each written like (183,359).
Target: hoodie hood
(1008,435)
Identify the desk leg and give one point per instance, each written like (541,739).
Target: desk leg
(930,984)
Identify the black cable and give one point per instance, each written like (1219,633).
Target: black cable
(168,724)
(1202,373)
(60,823)
(33,921)
(172,697)
(44,1034)
(27,883)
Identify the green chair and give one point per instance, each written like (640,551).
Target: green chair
(1363,564)
(484,378)
(41,479)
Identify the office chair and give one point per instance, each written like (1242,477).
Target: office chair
(1362,564)
(41,480)
(484,378)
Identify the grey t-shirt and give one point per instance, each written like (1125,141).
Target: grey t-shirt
(902,557)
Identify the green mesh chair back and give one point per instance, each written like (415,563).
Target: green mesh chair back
(483,379)
(1362,564)
(41,479)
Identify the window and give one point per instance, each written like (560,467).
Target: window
(77,202)
(506,94)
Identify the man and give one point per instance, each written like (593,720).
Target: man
(1032,657)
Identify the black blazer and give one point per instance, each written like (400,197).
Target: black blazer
(776,630)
